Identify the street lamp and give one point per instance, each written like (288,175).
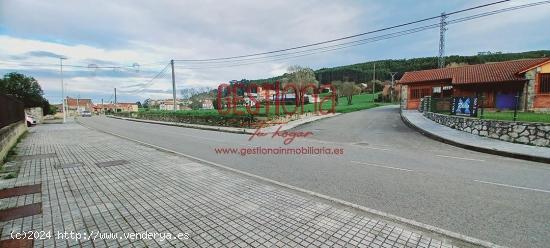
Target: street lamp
(62,88)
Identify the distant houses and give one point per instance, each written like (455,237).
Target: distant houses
(75,106)
(118,107)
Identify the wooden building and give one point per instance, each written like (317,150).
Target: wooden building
(498,83)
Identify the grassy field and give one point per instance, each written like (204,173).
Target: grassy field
(360,102)
(522,116)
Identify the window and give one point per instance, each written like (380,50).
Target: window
(419,93)
(447,91)
(544,82)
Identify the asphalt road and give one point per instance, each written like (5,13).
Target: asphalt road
(388,167)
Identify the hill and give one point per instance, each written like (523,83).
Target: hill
(363,72)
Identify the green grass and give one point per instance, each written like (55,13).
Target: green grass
(10,175)
(522,116)
(196,112)
(360,102)
(10,156)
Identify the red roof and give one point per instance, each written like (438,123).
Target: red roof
(484,73)
(81,101)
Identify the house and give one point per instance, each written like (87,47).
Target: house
(207,104)
(498,84)
(127,107)
(75,106)
(169,105)
(119,107)
(264,93)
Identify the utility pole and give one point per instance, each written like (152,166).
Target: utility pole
(173,84)
(62,89)
(102,107)
(115,101)
(392,84)
(373,81)
(442,29)
(77,105)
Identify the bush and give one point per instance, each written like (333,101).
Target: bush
(205,117)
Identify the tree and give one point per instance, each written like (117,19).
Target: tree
(349,89)
(338,87)
(199,97)
(378,86)
(26,89)
(139,104)
(300,77)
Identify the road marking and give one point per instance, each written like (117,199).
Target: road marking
(374,148)
(513,186)
(471,159)
(382,166)
(411,222)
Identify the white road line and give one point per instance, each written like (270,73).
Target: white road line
(382,166)
(471,159)
(374,148)
(413,223)
(512,186)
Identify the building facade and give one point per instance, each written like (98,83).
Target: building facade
(75,106)
(501,85)
(119,107)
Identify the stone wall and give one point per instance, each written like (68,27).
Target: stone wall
(530,133)
(9,135)
(36,114)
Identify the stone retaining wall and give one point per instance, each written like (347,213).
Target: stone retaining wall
(530,133)
(9,135)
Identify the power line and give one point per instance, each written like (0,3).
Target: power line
(324,49)
(343,38)
(224,64)
(277,55)
(148,83)
(309,50)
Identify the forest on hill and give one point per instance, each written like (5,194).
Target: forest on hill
(363,72)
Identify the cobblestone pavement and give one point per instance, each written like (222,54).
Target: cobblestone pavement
(95,182)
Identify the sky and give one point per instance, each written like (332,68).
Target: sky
(125,44)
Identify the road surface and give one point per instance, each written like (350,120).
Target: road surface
(388,167)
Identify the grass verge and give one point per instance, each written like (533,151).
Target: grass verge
(522,116)
(10,156)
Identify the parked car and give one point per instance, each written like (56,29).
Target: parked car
(86,113)
(30,121)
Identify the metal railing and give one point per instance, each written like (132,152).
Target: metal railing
(11,110)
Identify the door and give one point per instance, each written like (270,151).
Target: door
(505,100)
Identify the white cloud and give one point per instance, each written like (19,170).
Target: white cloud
(151,31)
(125,32)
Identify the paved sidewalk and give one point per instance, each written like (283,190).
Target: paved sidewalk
(270,129)
(474,142)
(95,182)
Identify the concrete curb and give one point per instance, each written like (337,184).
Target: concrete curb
(456,237)
(215,128)
(434,136)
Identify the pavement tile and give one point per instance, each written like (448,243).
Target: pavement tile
(117,186)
